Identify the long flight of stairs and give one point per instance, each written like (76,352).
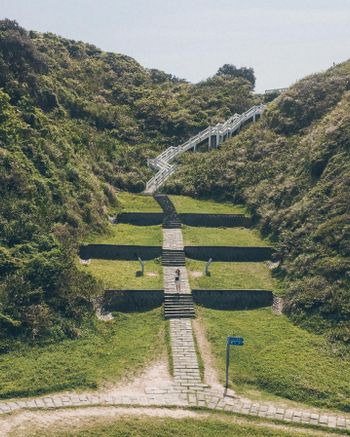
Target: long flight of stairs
(178,305)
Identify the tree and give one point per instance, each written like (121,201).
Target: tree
(231,70)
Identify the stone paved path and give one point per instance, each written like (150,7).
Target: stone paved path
(186,390)
(172,239)
(185,363)
(169,280)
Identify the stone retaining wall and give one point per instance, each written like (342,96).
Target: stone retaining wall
(140,218)
(205,220)
(132,300)
(215,220)
(229,253)
(233,299)
(112,251)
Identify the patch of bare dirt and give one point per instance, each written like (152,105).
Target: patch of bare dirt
(196,274)
(152,274)
(156,375)
(211,376)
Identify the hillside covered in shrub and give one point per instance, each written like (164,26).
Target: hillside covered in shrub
(292,169)
(76,125)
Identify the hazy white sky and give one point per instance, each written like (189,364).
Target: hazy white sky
(283,40)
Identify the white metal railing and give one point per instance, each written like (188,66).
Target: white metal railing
(220,132)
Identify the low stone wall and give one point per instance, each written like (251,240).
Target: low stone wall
(215,220)
(132,300)
(140,218)
(112,251)
(233,299)
(229,253)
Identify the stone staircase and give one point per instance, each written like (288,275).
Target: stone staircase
(173,258)
(178,306)
(171,219)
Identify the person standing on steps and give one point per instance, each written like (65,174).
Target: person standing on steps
(177,280)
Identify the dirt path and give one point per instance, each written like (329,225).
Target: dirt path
(211,376)
(27,423)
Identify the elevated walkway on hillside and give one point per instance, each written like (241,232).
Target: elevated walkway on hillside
(214,135)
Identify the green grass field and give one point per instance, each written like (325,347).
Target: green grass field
(129,234)
(279,358)
(212,425)
(137,203)
(103,353)
(122,275)
(197,236)
(189,204)
(230,275)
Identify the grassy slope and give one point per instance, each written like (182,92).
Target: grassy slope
(130,202)
(103,353)
(77,125)
(197,236)
(292,170)
(128,234)
(212,426)
(279,357)
(122,275)
(185,204)
(226,275)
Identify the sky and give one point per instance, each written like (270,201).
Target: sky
(283,40)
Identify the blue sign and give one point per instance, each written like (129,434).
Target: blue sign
(235,341)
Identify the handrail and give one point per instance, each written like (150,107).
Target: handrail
(220,130)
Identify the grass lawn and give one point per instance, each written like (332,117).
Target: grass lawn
(129,234)
(130,202)
(103,353)
(189,204)
(212,425)
(122,275)
(226,275)
(197,236)
(279,358)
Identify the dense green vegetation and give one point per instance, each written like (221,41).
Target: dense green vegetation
(103,353)
(185,204)
(198,236)
(292,170)
(128,234)
(279,357)
(214,425)
(230,275)
(76,126)
(126,275)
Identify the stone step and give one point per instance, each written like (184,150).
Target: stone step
(179,316)
(173,264)
(178,298)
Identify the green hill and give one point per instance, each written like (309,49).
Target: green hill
(76,125)
(292,170)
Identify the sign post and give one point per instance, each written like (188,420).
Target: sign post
(231,341)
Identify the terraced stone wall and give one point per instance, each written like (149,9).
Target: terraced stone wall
(140,218)
(216,220)
(233,299)
(229,253)
(132,300)
(112,251)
